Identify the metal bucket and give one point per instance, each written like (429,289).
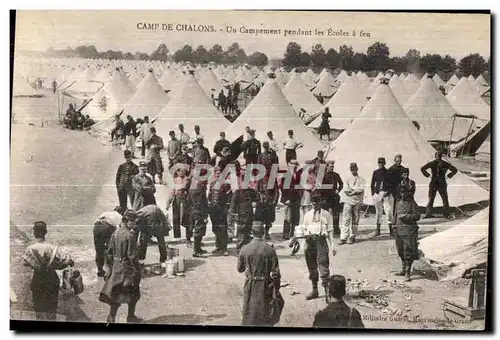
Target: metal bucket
(299,231)
(171,268)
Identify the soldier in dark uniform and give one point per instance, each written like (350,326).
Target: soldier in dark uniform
(124,176)
(225,158)
(184,158)
(155,145)
(104,227)
(251,149)
(178,199)
(122,282)
(198,216)
(439,168)
(221,144)
(241,211)
(268,157)
(201,155)
(395,174)
(265,211)
(259,262)
(331,197)
(218,200)
(291,196)
(152,222)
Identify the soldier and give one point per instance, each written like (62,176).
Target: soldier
(198,218)
(290,196)
(126,172)
(352,197)
(179,200)
(104,227)
(439,168)
(184,158)
(241,211)
(381,189)
(259,262)
(152,222)
(268,157)
(201,155)
(144,188)
(265,211)
(173,149)
(155,145)
(122,282)
(251,149)
(218,199)
(331,197)
(318,229)
(221,144)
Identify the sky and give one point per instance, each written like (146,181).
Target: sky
(454,34)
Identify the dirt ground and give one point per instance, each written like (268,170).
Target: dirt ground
(67,179)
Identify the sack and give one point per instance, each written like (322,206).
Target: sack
(72,280)
(276,306)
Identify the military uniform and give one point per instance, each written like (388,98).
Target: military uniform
(124,176)
(265,211)
(178,198)
(292,210)
(144,191)
(218,199)
(241,212)
(155,165)
(259,262)
(152,222)
(198,215)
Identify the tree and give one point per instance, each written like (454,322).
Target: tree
(412,61)
(304,59)
(448,64)
(128,56)
(346,56)
(257,59)
(234,54)
(216,53)
(161,53)
(431,63)
(292,56)
(398,64)
(201,55)
(359,61)
(318,56)
(332,58)
(377,57)
(184,54)
(141,56)
(473,64)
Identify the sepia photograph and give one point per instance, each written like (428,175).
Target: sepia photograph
(288,169)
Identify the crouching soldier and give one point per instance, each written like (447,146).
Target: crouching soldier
(152,222)
(104,227)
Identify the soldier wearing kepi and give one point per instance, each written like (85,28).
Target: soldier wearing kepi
(318,231)
(198,216)
(259,262)
(382,190)
(218,197)
(144,188)
(265,210)
(178,198)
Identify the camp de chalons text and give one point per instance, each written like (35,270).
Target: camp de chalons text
(251,31)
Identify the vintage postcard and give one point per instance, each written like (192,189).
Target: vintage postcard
(251,168)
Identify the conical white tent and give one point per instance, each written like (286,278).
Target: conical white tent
(432,111)
(308,78)
(425,76)
(466,247)
(481,81)
(191,106)
(466,100)
(282,79)
(437,79)
(271,111)
(168,79)
(411,86)
(383,130)
(399,90)
(148,100)
(344,106)
(411,78)
(453,80)
(87,83)
(342,77)
(120,88)
(300,97)
(325,86)
(402,76)
(102,107)
(210,83)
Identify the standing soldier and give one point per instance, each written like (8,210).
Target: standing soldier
(184,158)
(241,211)
(173,149)
(268,158)
(179,200)
(218,199)
(381,188)
(318,230)
(198,218)
(155,145)
(331,197)
(122,283)
(290,144)
(54,86)
(265,211)
(130,131)
(183,137)
(104,227)
(251,149)
(126,172)
(221,144)
(438,168)
(290,197)
(152,222)
(259,262)
(145,134)
(352,197)
(45,259)
(201,155)
(395,171)
(144,187)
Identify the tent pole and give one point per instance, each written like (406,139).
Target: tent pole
(451,133)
